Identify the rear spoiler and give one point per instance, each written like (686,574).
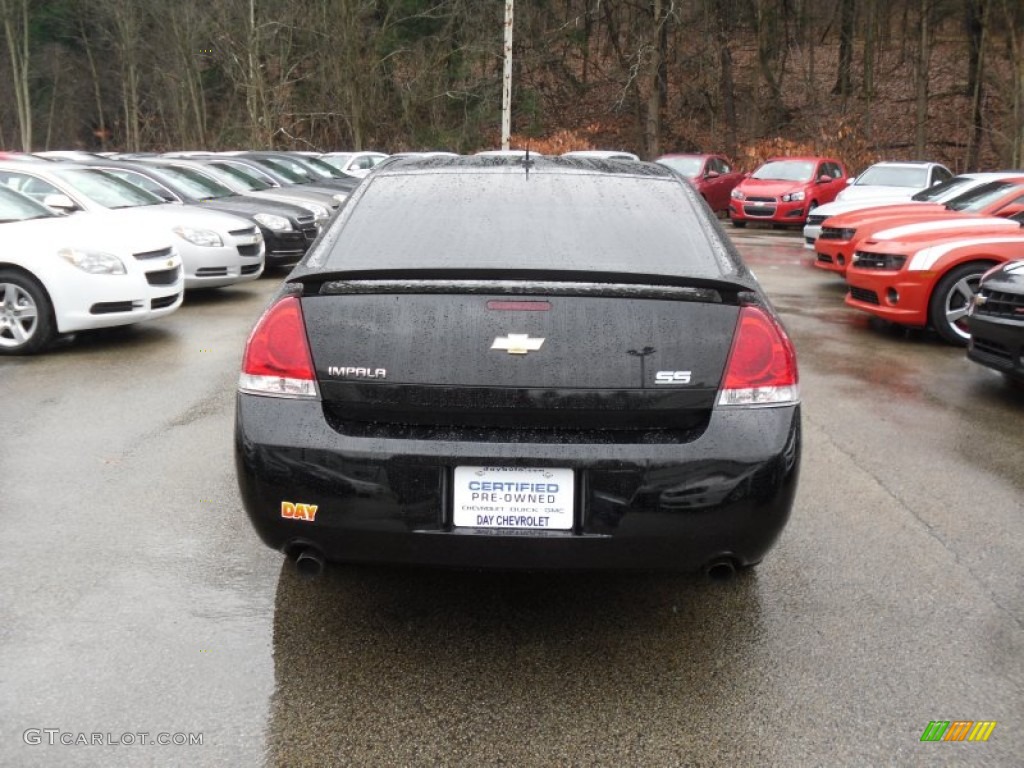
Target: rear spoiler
(534,282)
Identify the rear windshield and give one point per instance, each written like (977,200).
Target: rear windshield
(687,166)
(893,176)
(543,221)
(944,190)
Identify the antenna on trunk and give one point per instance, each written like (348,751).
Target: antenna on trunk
(527,162)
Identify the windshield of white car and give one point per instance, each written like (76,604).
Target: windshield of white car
(978,198)
(17,207)
(109,191)
(686,166)
(893,176)
(785,170)
(339,160)
(326,170)
(195,183)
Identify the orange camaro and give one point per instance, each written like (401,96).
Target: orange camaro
(841,234)
(927,281)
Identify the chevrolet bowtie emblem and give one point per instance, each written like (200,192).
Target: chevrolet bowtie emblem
(517,343)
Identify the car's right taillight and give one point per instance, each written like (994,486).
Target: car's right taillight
(277,360)
(762,363)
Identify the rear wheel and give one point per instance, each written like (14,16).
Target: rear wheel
(951,299)
(26,316)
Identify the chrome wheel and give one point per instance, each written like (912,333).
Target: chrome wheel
(958,302)
(19,316)
(951,301)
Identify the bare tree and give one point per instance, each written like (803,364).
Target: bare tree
(921,62)
(977,29)
(16,32)
(847,16)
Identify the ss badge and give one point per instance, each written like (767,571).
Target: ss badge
(672,377)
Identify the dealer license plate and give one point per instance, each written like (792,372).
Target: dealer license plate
(514,497)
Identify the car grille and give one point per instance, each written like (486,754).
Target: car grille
(249,250)
(999,304)
(164,301)
(163,276)
(834,233)
(863,294)
(992,349)
(891,261)
(112,307)
(243,232)
(212,272)
(815,219)
(163,253)
(250,269)
(824,258)
(310,232)
(761,200)
(758,210)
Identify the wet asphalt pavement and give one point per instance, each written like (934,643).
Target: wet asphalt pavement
(137,600)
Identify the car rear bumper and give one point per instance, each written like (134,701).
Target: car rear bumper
(727,493)
(997,343)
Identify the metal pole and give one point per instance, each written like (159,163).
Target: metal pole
(506,86)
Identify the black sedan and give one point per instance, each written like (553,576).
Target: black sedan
(520,363)
(996,321)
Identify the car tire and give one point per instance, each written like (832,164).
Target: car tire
(739,224)
(949,302)
(26,314)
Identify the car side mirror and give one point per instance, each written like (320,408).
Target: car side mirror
(60,203)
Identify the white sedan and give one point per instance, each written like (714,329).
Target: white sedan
(61,275)
(216,248)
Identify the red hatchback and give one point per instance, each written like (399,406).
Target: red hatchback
(712,175)
(785,189)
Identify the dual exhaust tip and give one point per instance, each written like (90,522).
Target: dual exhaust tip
(310,564)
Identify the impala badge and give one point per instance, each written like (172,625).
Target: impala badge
(517,343)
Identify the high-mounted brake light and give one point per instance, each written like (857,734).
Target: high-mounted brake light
(277,361)
(762,363)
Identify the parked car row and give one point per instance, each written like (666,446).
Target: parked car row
(938,260)
(96,241)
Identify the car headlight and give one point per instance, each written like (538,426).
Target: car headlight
(204,237)
(737,195)
(340,198)
(320,212)
(793,197)
(272,222)
(93,262)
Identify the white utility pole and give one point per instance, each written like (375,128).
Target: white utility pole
(506,86)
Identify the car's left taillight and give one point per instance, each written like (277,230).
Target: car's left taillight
(762,363)
(277,360)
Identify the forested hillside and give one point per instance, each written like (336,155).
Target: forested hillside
(862,78)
